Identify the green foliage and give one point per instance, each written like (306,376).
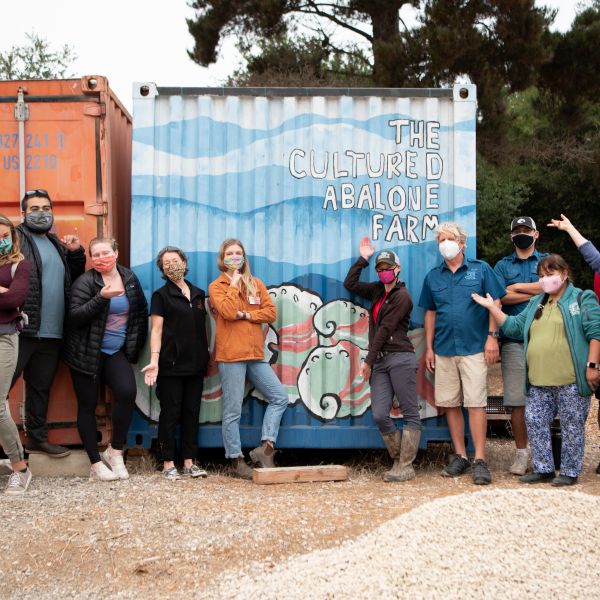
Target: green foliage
(36,60)
(500,198)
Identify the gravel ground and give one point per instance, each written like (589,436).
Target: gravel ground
(150,538)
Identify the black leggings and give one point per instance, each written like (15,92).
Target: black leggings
(179,404)
(115,372)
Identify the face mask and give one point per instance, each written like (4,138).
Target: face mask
(386,276)
(39,222)
(551,283)
(6,246)
(234,262)
(105,264)
(522,240)
(174,271)
(449,249)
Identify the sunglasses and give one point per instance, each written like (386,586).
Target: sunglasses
(32,193)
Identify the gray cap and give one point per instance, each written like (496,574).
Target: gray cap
(387,256)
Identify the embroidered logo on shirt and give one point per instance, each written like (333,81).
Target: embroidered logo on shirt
(574,309)
(471,275)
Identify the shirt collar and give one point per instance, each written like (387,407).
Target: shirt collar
(445,266)
(514,258)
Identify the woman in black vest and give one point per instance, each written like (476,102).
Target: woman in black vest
(178,360)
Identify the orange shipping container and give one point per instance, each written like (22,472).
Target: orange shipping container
(76,144)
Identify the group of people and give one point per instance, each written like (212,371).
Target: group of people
(527,308)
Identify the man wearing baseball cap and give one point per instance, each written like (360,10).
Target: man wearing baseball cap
(518,272)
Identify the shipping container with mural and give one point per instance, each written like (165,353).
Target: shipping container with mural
(300,176)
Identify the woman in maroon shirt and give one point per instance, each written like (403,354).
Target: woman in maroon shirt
(391,364)
(14,283)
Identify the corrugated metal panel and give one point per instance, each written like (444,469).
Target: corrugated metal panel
(78,147)
(300,178)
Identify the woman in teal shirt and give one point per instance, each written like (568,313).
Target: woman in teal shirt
(561,333)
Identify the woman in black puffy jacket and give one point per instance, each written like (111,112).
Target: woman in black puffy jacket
(108,324)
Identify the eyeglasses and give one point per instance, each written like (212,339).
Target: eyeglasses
(382,269)
(32,193)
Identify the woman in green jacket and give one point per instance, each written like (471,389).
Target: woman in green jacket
(561,333)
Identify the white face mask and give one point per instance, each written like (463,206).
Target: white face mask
(449,249)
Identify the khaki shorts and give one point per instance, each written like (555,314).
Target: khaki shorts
(461,380)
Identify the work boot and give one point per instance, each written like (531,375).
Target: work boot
(392,443)
(52,450)
(403,469)
(263,455)
(240,468)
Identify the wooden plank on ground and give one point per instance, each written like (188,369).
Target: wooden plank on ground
(300,474)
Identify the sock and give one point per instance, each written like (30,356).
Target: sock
(521,451)
(23,470)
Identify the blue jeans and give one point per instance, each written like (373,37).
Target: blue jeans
(233,377)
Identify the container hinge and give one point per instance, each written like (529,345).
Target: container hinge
(96,209)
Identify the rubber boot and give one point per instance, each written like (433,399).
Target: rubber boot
(403,469)
(392,443)
(240,468)
(263,455)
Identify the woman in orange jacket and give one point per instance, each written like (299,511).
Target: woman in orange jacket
(242,304)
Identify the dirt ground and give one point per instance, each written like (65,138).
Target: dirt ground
(150,538)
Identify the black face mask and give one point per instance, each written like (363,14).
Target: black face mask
(523,240)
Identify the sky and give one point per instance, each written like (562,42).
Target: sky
(140,40)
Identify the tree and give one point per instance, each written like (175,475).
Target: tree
(499,44)
(36,60)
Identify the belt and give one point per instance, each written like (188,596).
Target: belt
(383,354)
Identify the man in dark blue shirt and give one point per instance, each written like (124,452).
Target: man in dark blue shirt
(518,273)
(461,341)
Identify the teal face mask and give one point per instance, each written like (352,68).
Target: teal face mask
(6,246)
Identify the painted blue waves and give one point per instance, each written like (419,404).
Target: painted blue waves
(204,136)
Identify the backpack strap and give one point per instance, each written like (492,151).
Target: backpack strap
(579,297)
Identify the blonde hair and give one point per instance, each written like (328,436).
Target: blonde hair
(453,229)
(248,285)
(14,256)
(104,240)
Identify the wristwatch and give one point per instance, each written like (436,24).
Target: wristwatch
(494,334)
(593,365)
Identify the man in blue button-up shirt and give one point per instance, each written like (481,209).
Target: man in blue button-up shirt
(518,273)
(461,341)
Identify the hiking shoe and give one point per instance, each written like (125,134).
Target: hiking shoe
(536,477)
(481,473)
(563,480)
(115,463)
(240,468)
(171,474)
(100,472)
(263,455)
(519,466)
(458,466)
(52,450)
(194,471)
(18,483)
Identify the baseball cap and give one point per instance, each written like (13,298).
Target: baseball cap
(523,222)
(387,256)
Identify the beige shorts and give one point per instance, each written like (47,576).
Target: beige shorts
(461,380)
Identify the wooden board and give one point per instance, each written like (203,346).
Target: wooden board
(300,474)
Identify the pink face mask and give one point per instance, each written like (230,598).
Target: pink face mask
(386,276)
(105,264)
(551,283)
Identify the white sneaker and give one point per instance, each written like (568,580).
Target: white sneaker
(18,483)
(115,463)
(100,472)
(519,466)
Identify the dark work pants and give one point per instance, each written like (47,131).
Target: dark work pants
(115,372)
(179,403)
(38,362)
(395,374)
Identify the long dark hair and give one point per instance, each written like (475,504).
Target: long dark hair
(552,262)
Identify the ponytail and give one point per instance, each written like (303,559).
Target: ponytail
(540,308)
